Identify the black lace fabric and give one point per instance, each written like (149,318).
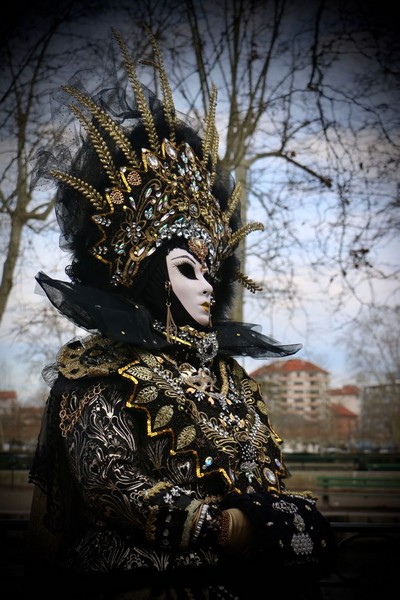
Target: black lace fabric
(126,321)
(103,458)
(49,467)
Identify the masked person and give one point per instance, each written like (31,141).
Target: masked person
(157,472)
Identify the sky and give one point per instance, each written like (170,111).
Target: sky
(318,346)
(313,323)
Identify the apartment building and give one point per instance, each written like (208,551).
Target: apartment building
(345,424)
(297,387)
(347,396)
(8,401)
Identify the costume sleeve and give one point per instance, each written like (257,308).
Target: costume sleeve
(108,456)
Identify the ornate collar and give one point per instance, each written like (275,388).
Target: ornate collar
(204,343)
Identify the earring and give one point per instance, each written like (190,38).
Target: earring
(212,302)
(170,326)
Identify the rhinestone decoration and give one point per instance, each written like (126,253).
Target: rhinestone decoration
(162,190)
(302,543)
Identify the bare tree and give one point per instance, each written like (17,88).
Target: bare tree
(373,345)
(308,96)
(62,38)
(372,342)
(35,62)
(42,349)
(307,117)
(26,71)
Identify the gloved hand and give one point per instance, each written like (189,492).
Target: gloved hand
(287,529)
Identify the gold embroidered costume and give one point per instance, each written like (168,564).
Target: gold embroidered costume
(158,475)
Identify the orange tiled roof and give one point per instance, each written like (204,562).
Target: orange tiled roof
(8,395)
(342,411)
(346,390)
(287,366)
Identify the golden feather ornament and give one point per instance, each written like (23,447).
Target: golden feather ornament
(165,191)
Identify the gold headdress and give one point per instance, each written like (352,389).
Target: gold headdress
(165,191)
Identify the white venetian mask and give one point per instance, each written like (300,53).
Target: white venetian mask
(189,284)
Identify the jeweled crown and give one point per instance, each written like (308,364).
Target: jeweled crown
(164,192)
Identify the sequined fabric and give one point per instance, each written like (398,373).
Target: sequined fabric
(148,448)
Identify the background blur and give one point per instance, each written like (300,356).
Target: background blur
(308,118)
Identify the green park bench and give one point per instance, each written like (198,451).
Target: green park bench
(365,485)
(383,466)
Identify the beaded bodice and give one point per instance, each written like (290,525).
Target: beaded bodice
(205,406)
(209,406)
